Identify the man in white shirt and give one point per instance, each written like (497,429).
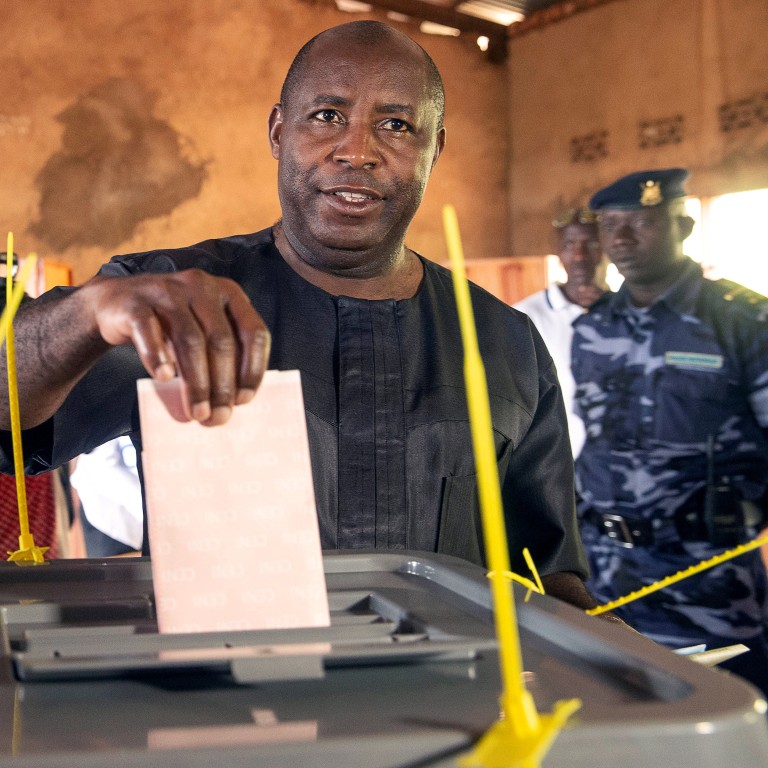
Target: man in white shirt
(107,483)
(554,309)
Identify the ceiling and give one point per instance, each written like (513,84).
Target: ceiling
(491,19)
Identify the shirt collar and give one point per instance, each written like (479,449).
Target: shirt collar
(680,297)
(556,298)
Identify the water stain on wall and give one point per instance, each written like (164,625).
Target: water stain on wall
(118,165)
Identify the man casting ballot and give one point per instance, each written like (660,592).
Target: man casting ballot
(333,291)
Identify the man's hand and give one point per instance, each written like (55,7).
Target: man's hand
(571,589)
(200,326)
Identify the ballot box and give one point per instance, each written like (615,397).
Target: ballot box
(407,674)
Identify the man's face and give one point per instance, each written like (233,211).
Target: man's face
(645,245)
(356,144)
(580,252)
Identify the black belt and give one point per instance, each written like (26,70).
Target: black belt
(684,525)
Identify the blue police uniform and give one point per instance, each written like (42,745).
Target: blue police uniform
(674,397)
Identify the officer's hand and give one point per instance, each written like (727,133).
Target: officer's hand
(202,327)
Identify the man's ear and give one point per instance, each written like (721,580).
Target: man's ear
(439,146)
(685,224)
(275,124)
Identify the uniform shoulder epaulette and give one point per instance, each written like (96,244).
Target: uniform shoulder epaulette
(741,296)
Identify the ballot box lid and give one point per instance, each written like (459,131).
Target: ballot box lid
(406,674)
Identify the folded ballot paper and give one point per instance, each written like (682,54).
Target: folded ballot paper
(232,523)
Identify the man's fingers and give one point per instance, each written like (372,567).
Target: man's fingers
(254,343)
(237,343)
(202,327)
(149,340)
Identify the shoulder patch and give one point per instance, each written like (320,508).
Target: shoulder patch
(741,296)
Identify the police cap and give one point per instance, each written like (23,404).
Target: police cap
(574,216)
(640,190)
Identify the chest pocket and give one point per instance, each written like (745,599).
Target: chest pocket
(691,405)
(461,530)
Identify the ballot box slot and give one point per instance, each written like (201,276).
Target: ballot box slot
(54,641)
(249,663)
(83,641)
(41,621)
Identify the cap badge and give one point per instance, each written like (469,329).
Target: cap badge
(651,193)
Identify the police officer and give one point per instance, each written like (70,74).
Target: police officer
(672,384)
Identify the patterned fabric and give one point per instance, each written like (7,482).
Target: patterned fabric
(660,389)
(41,506)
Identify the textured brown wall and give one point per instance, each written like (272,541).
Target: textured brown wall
(617,65)
(132,124)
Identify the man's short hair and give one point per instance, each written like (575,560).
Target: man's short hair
(369,33)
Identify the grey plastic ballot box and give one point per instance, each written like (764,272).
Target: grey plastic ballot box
(406,675)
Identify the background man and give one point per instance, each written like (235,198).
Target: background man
(672,383)
(109,491)
(554,309)
(370,324)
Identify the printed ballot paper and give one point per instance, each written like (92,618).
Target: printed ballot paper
(232,523)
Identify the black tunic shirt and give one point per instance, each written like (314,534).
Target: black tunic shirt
(386,408)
